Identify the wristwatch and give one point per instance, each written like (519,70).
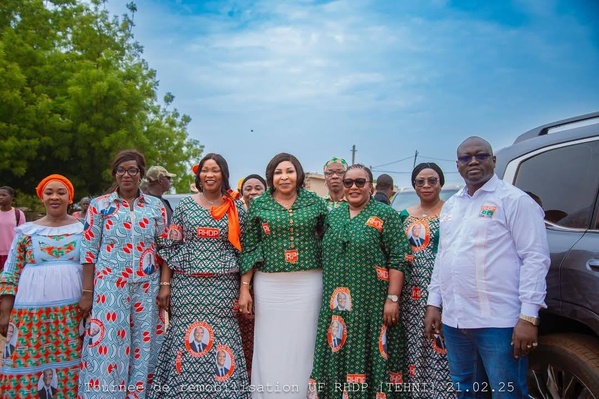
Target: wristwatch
(394,298)
(535,321)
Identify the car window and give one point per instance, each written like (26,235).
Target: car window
(566,181)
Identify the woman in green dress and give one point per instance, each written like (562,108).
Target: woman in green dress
(365,263)
(281,256)
(425,360)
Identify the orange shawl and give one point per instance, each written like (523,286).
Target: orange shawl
(229,208)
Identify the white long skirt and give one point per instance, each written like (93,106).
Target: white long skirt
(287,307)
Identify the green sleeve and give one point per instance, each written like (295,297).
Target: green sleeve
(396,245)
(252,252)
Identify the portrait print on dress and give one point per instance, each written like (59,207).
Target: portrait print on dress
(225,363)
(341,299)
(199,338)
(47,385)
(337,333)
(11,341)
(418,235)
(383,342)
(95,333)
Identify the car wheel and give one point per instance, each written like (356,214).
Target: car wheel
(564,366)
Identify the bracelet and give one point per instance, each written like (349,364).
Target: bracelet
(168,283)
(245,283)
(84,290)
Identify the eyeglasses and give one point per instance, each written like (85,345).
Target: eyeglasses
(465,159)
(432,181)
(130,171)
(330,173)
(360,183)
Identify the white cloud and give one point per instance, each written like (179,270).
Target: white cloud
(346,72)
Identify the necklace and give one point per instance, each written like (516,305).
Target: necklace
(211,202)
(286,203)
(425,212)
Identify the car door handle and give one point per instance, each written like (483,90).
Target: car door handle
(594,264)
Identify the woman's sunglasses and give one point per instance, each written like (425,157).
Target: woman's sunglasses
(360,183)
(432,181)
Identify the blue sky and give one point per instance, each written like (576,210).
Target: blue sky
(314,77)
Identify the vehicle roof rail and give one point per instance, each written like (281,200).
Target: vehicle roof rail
(554,127)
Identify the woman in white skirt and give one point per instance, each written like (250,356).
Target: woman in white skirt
(281,253)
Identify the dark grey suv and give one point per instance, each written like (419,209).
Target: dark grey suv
(558,165)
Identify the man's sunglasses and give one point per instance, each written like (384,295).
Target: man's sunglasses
(465,159)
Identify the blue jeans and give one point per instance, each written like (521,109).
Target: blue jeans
(482,363)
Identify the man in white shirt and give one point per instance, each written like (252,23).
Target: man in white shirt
(489,279)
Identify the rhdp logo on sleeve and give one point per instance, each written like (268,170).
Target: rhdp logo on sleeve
(375,222)
(487,211)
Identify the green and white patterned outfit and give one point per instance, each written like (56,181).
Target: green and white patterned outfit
(203,318)
(353,345)
(284,248)
(426,360)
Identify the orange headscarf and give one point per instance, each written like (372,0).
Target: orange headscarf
(39,190)
(230,209)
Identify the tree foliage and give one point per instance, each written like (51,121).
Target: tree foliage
(75,90)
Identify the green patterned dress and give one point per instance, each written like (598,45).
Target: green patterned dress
(426,360)
(355,352)
(203,327)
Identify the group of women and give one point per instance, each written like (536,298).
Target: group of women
(316,304)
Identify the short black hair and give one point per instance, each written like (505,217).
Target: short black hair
(253,176)
(384,182)
(282,157)
(224,170)
(360,166)
(428,165)
(10,190)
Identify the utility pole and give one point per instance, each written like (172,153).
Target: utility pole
(353,154)
(415,156)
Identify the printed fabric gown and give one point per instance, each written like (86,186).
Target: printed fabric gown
(353,345)
(44,333)
(126,327)
(202,354)
(426,360)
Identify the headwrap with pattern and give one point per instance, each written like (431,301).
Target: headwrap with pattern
(336,160)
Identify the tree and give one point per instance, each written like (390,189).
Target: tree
(75,90)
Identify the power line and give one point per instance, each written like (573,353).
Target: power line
(438,159)
(391,163)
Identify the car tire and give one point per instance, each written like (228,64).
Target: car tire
(564,366)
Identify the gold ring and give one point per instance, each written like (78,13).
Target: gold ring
(529,346)
(535,344)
